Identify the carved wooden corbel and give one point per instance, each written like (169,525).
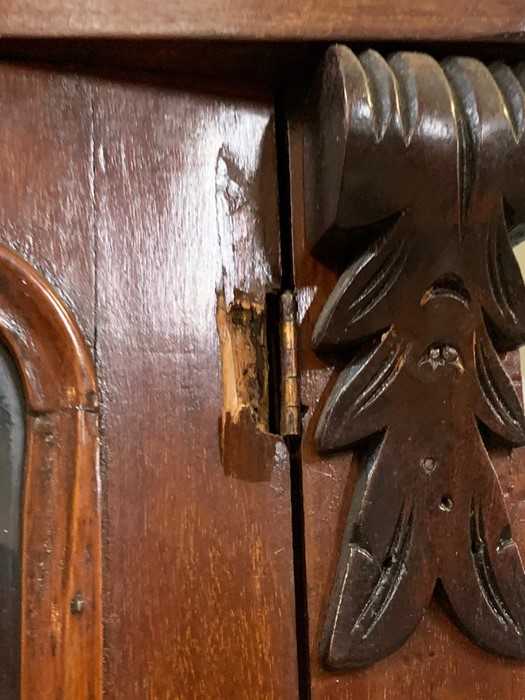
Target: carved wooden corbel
(415,175)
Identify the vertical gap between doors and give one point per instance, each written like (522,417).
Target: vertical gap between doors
(293,442)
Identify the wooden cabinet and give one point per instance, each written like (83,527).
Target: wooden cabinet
(180,528)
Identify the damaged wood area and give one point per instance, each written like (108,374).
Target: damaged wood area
(248,449)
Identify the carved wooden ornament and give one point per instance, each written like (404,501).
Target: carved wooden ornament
(414,169)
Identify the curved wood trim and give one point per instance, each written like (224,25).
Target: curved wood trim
(44,338)
(61,551)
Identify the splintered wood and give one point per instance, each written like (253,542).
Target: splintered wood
(248,449)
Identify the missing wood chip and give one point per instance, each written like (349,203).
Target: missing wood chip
(248,449)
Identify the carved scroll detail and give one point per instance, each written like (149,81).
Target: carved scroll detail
(412,168)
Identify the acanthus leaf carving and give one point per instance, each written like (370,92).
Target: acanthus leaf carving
(413,165)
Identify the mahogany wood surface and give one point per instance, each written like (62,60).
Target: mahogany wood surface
(199,597)
(141,202)
(45,214)
(276,19)
(436,662)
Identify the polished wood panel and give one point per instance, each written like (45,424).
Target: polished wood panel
(436,661)
(46,203)
(276,19)
(46,215)
(199,585)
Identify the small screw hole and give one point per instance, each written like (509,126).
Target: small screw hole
(476,546)
(388,563)
(428,464)
(77,604)
(446,503)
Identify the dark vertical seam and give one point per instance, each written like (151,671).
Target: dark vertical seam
(293,443)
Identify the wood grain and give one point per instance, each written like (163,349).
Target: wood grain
(436,662)
(276,19)
(61,551)
(198,576)
(46,204)
(199,585)
(46,215)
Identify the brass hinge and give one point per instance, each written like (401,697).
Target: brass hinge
(290,386)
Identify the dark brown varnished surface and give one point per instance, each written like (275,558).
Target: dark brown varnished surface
(199,584)
(173,193)
(174,521)
(436,662)
(45,214)
(408,196)
(46,205)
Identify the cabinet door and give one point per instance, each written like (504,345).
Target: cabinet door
(151,206)
(199,598)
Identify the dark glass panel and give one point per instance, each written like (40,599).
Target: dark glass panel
(12,447)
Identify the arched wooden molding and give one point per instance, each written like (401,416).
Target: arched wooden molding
(415,173)
(61,560)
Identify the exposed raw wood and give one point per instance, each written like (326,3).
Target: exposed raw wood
(248,449)
(177,191)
